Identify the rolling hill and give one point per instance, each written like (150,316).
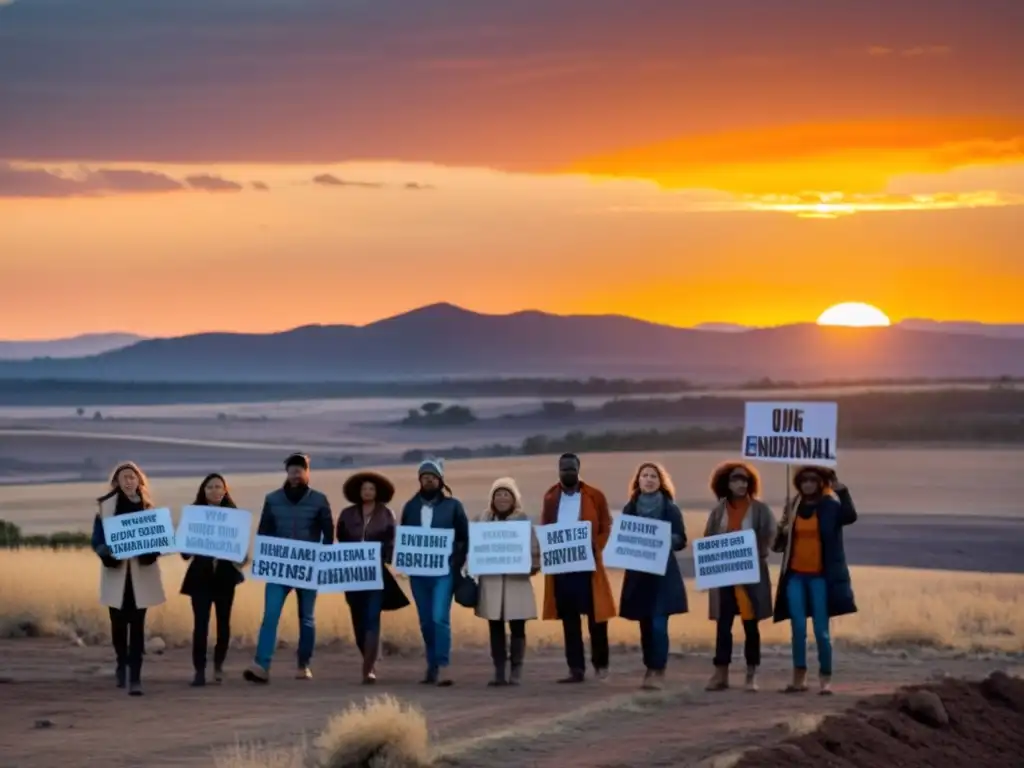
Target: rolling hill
(443,340)
(76,346)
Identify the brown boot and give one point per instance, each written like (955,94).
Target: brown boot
(825,682)
(751,682)
(719,680)
(654,680)
(799,684)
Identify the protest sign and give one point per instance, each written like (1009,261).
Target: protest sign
(221,532)
(638,544)
(726,560)
(497,548)
(148,532)
(422,551)
(351,567)
(791,433)
(286,562)
(565,548)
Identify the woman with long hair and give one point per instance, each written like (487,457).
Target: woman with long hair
(648,598)
(370,519)
(131,586)
(507,599)
(815,579)
(210,583)
(736,486)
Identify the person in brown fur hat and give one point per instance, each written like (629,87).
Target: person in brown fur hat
(815,579)
(370,519)
(736,485)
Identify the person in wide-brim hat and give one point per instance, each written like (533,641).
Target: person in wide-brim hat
(352,487)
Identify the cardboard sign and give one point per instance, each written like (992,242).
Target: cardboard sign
(566,548)
(286,562)
(423,551)
(350,567)
(148,532)
(498,548)
(639,544)
(726,560)
(220,532)
(791,433)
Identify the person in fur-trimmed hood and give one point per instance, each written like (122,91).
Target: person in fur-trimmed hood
(736,486)
(127,587)
(815,579)
(508,598)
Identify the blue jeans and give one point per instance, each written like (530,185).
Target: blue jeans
(365,609)
(654,642)
(273,604)
(802,590)
(433,598)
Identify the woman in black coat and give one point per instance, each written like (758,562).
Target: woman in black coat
(211,584)
(646,597)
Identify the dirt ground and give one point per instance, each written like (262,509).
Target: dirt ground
(59,707)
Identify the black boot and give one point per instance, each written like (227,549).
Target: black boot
(499,674)
(135,681)
(200,679)
(121,675)
(518,651)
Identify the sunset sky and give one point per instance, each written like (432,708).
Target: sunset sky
(173,166)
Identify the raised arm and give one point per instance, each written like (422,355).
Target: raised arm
(847,511)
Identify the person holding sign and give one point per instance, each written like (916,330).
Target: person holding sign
(297,512)
(569,596)
(646,597)
(210,584)
(815,579)
(435,507)
(736,485)
(131,586)
(508,597)
(370,519)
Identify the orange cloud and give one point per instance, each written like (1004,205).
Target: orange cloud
(913,52)
(852,158)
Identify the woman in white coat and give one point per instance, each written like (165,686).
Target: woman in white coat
(507,598)
(127,587)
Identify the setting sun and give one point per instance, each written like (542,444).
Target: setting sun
(854,314)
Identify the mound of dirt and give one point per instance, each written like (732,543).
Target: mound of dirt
(952,723)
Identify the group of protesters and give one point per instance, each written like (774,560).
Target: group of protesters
(814,582)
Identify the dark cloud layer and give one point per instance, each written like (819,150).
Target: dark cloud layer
(19,181)
(524,84)
(330,180)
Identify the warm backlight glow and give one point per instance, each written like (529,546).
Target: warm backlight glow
(854,314)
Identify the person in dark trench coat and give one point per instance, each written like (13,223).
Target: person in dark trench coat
(646,597)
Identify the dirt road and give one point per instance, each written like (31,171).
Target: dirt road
(58,706)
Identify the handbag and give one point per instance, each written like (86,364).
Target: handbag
(467,592)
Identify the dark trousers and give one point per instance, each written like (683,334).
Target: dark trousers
(128,632)
(654,642)
(572,631)
(728,610)
(499,642)
(201,605)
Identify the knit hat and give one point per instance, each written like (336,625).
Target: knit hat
(297,460)
(432,467)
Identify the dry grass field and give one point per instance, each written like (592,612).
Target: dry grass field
(58,704)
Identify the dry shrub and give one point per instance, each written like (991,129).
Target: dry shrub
(380,733)
(261,756)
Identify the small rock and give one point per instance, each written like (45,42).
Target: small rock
(44,723)
(156,645)
(927,708)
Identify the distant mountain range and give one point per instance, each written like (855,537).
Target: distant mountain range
(445,341)
(76,346)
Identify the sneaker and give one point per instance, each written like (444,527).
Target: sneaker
(256,674)
(430,676)
(218,674)
(601,673)
(199,680)
(303,673)
(575,676)
(135,688)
